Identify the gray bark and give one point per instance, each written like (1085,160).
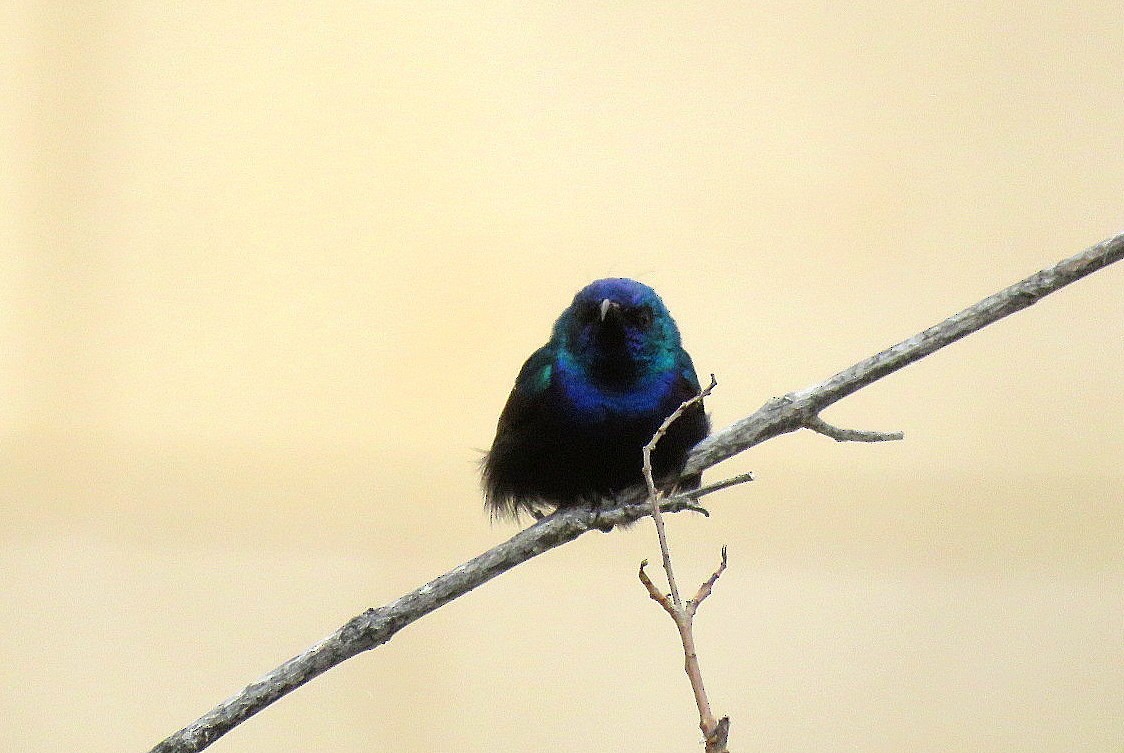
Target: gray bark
(799,409)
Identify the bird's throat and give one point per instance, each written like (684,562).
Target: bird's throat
(614,367)
(607,355)
(615,373)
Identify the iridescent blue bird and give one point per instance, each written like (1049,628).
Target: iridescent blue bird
(585,404)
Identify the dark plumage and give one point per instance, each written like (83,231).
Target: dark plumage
(585,404)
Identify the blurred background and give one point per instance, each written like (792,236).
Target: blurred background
(268,271)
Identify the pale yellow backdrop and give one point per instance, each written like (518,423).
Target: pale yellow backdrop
(268,270)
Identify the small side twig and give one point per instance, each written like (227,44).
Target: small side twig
(717,486)
(653,495)
(706,587)
(689,499)
(715,731)
(818,425)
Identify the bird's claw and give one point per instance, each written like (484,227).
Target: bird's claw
(595,520)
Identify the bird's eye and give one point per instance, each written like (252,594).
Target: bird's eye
(641,316)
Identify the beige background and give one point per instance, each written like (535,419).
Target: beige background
(267,273)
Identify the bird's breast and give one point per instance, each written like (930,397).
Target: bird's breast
(587,401)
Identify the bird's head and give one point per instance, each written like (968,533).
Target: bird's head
(618,329)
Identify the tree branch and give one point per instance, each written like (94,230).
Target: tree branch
(818,425)
(715,731)
(683,616)
(650,482)
(795,410)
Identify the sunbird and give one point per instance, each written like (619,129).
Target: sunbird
(585,404)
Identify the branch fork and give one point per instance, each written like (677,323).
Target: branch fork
(715,731)
(796,410)
(818,425)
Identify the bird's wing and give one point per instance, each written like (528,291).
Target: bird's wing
(687,373)
(529,390)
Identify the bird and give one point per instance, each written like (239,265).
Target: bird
(585,404)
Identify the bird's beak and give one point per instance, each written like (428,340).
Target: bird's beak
(606,304)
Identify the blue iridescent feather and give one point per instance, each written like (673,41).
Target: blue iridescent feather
(586,403)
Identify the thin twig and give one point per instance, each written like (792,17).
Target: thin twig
(818,425)
(377,626)
(715,731)
(706,587)
(653,495)
(683,615)
(688,500)
(717,486)
(791,412)
(658,596)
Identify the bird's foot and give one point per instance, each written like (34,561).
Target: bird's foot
(595,521)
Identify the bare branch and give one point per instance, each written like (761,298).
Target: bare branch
(653,495)
(792,411)
(376,626)
(688,500)
(715,731)
(818,425)
(716,743)
(658,596)
(717,486)
(682,615)
(706,587)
